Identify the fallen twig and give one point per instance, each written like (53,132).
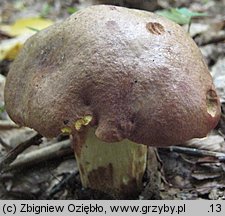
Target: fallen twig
(213,39)
(12,154)
(197,152)
(62,184)
(55,150)
(4,35)
(7,125)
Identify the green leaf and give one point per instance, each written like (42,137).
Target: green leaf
(174,15)
(180,15)
(46,8)
(187,12)
(71,10)
(2,109)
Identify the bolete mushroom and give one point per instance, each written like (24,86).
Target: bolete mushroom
(118,80)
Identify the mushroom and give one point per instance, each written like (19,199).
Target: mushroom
(118,80)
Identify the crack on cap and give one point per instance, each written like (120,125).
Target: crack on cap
(155,28)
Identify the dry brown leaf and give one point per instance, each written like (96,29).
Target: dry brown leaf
(22,29)
(203,176)
(213,142)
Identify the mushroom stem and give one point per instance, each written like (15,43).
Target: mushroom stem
(113,168)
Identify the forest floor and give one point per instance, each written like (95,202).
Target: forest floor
(184,173)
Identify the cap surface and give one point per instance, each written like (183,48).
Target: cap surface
(137,74)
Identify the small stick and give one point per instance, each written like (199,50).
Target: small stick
(55,150)
(4,35)
(12,154)
(212,40)
(197,152)
(7,125)
(189,25)
(62,184)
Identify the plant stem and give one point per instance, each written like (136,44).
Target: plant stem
(114,168)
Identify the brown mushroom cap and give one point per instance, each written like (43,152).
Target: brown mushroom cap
(138,74)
